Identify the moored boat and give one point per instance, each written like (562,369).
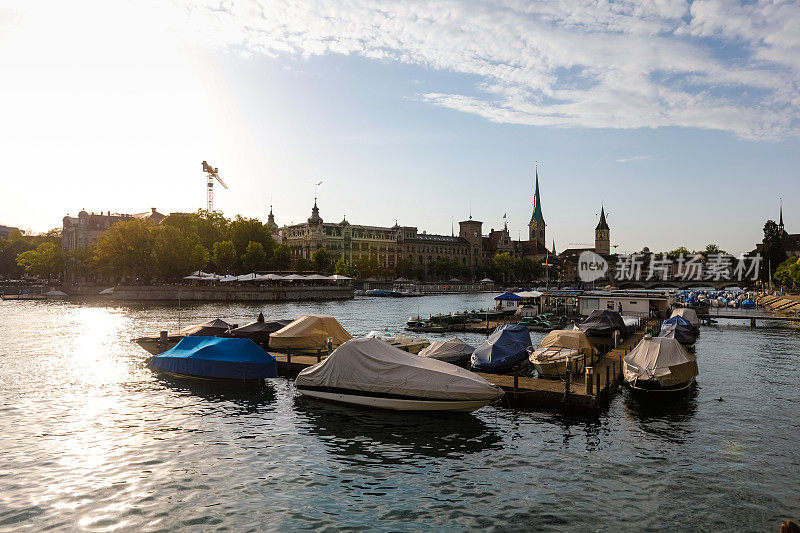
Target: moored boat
(659,366)
(505,348)
(212,328)
(403,342)
(602,323)
(559,346)
(369,372)
(216,358)
(309,334)
(680,329)
(454,351)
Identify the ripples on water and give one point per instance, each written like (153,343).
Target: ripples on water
(90,439)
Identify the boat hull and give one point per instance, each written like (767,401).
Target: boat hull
(395,404)
(557,369)
(647,390)
(152,345)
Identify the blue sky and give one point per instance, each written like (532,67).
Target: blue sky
(682,119)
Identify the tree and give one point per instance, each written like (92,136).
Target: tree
(367,267)
(46,260)
(282,258)
(674,254)
(207,227)
(177,254)
(503,266)
(772,249)
(243,231)
(322,260)
(254,258)
(301,264)
(224,256)
(341,268)
(406,267)
(788,272)
(126,249)
(712,249)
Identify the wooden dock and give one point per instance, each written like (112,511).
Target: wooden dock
(585,395)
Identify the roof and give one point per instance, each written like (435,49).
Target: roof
(428,237)
(602,224)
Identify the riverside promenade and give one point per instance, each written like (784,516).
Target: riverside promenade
(216,293)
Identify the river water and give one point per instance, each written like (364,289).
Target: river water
(91,440)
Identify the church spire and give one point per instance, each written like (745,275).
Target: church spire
(537,203)
(780,220)
(602,224)
(553,251)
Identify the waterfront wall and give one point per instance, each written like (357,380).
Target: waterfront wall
(228,294)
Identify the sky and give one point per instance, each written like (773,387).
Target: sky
(681,118)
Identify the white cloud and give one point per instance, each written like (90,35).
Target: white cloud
(574,63)
(633,158)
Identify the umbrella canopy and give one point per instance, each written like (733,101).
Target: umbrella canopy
(487,280)
(509,296)
(226,279)
(192,277)
(218,358)
(55,294)
(109,290)
(246,277)
(662,359)
(310,333)
(339,277)
(293,277)
(269,277)
(372,365)
(317,277)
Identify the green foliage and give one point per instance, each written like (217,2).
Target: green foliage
(446,268)
(406,268)
(322,260)
(367,267)
(127,249)
(674,254)
(301,264)
(207,228)
(503,266)
(712,249)
(788,272)
(341,268)
(243,231)
(176,254)
(224,256)
(282,257)
(17,243)
(254,258)
(46,260)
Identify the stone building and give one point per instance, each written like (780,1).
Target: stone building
(82,232)
(789,241)
(602,246)
(390,244)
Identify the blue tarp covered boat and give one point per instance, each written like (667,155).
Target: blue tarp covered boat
(216,358)
(748,304)
(506,347)
(680,329)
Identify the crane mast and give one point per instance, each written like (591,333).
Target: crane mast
(212,173)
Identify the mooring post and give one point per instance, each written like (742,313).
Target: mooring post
(288,357)
(319,355)
(608,377)
(516,379)
(589,379)
(568,380)
(752,322)
(598,384)
(162,341)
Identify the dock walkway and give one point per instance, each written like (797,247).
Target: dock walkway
(535,393)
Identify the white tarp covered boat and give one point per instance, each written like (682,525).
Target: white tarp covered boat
(371,373)
(558,346)
(659,365)
(688,314)
(407,344)
(454,351)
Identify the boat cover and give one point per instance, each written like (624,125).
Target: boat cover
(310,332)
(216,357)
(371,365)
(206,329)
(259,331)
(504,348)
(572,339)
(678,328)
(688,314)
(451,350)
(660,358)
(748,304)
(602,323)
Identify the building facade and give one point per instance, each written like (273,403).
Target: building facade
(82,232)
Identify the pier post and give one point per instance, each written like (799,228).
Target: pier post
(589,380)
(598,384)
(288,358)
(162,341)
(568,378)
(319,355)
(752,322)
(516,379)
(608,377)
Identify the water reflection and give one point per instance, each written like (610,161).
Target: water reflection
(369,436)
(250,397)
(666,418)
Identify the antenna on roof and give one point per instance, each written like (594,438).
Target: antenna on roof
(470,209)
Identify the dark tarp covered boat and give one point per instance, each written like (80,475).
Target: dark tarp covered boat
(259,331)
(212,328)
(602,323)
(680,329)
(505,348)
(216,358)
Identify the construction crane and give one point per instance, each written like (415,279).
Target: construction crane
(212,173)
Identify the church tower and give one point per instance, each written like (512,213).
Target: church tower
(602,235)
(536,225)
(780,219)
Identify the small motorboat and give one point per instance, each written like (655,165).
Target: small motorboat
(680,329)
(559,346)
(747,303)
(212,328)
(505,348)
(658,366)
(216,358)
(259,331)
(688,314)
(369,372)
(602,323)
(309,334)
(453,351)
(407,344)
